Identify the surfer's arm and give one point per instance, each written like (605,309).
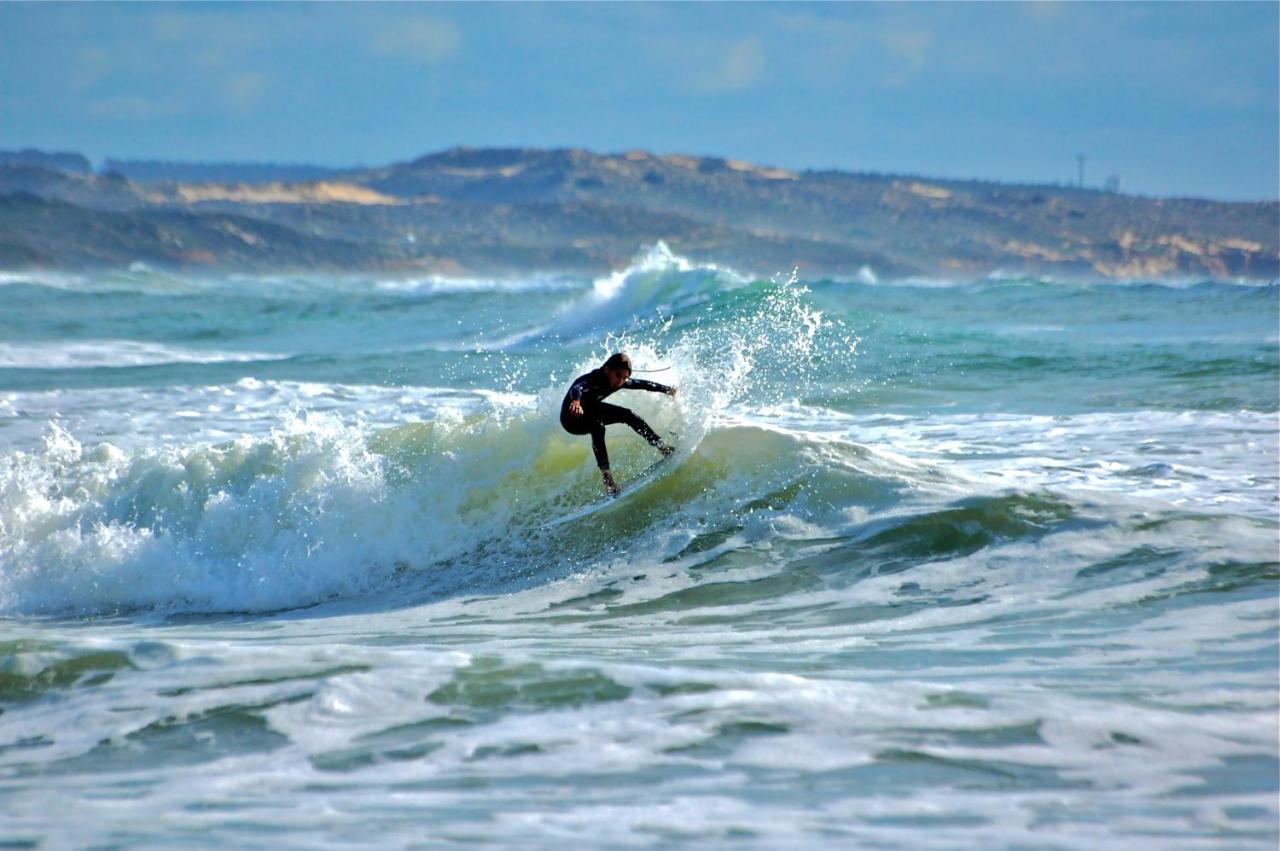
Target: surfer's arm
(651,386)
(576,391)
(579,387)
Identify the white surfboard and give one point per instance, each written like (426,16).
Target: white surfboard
(650,474)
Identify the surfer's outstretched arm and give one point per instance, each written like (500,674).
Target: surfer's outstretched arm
(651,386)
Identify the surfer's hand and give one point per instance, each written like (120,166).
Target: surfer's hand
(671,391)
(609,484)
(575,408)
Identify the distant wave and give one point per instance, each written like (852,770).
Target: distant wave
(654,287)
(447,284)
(144,280)
(998,279)
(43,278)
(78,354)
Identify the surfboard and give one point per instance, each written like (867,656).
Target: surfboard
(648,475)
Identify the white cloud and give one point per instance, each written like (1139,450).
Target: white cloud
(891,43)
(423,39)
(910,52)
(738,66)
(90,66)
(133,107)
(171,26)
(244,91)
(230,30)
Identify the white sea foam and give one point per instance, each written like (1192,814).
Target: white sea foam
(137,417)
(43,278)
(1005,279)
(1202,459)
(447,284)
(656,281)
(84,354)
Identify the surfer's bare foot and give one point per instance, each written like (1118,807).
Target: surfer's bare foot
(610,485)
(667,450)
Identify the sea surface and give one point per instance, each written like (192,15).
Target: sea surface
(941,564)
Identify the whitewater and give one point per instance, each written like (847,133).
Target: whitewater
(942,563)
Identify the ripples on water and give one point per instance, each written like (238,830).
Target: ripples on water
(987,564)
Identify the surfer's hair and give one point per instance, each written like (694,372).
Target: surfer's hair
(618,360)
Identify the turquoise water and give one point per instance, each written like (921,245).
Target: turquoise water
(942,564)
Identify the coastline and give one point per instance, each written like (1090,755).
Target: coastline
(502,212)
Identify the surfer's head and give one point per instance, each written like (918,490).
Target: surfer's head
(618,369)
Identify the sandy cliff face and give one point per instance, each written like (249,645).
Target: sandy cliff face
(319,192)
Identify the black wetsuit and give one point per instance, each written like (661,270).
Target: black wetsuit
(590,390)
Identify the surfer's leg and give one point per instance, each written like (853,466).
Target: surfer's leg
(588,423)
(597,445)
(609,414)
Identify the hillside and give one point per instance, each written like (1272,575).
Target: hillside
(47,233)
(493,210)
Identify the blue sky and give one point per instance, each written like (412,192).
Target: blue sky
(1174,98)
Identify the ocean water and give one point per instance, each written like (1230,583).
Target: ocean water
(943,564)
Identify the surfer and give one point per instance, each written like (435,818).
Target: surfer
(583,412)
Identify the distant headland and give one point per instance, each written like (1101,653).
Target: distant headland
(493,211)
